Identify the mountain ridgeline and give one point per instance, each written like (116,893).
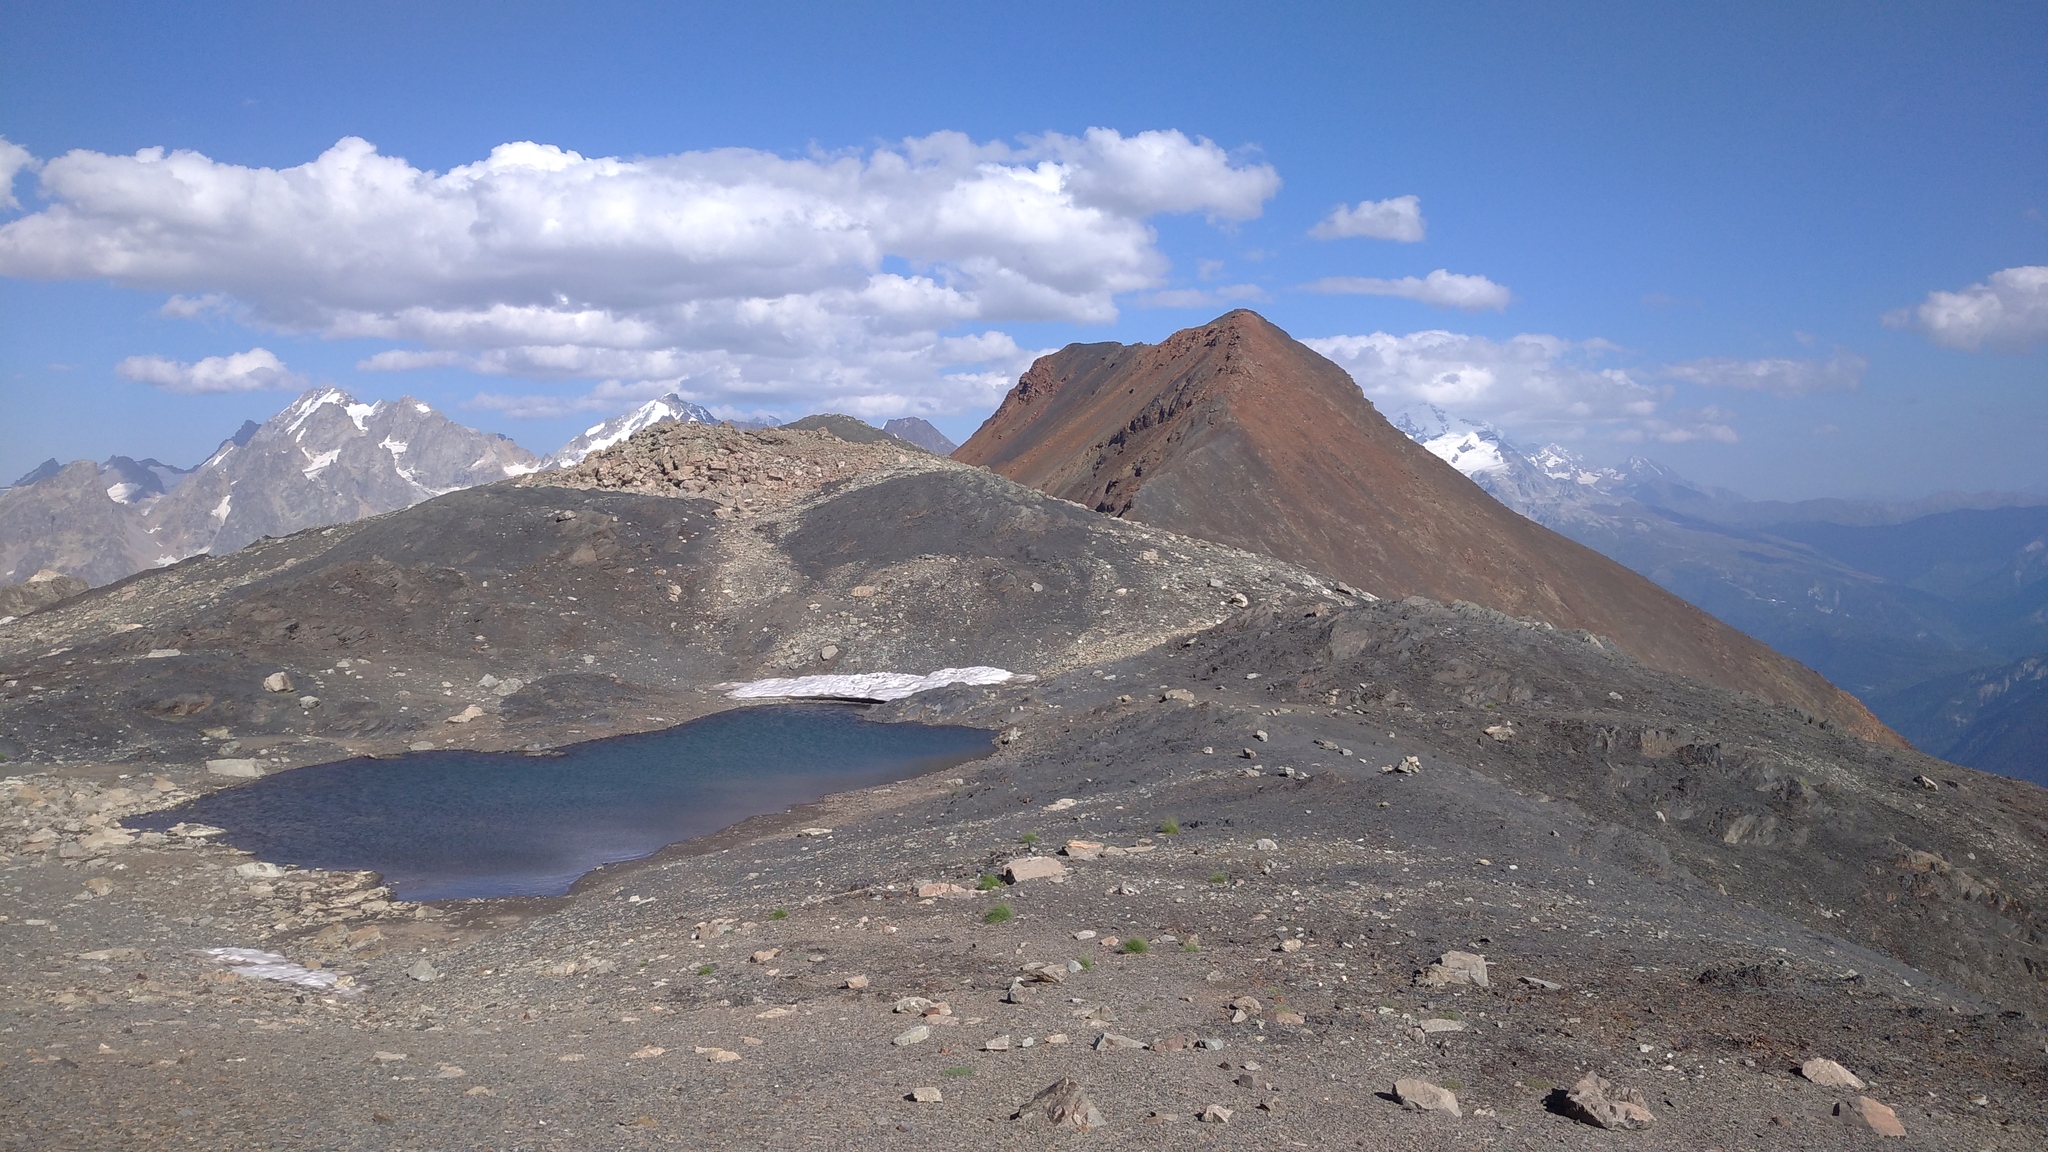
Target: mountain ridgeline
(1934,612)
(1235,432)
(326,459)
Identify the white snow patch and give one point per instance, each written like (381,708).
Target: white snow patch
(422,409)
(220,510)
(395,447)
(273,966)
(361,413)
(123,493)
(599,437)
(318,464)
(1560,463)
(305,408)
(1467,452)
(868,685)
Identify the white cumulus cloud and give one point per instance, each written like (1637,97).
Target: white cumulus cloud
(257,370)
(1397,219)
(1440,288)
(1786,377)
(842,279)
(2008,311)
(1535,387)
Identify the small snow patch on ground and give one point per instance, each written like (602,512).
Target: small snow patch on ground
(260,965)
(868,685)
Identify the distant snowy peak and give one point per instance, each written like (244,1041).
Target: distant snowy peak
(599,437)
(328,458)
(139,482)
(1561,463)
(1467,445)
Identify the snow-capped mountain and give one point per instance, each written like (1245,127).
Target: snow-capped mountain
(1551,484)
(1469,446)
(599,437)
(325,459)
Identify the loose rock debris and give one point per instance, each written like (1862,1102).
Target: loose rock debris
(1598,1101)
(1062,1103)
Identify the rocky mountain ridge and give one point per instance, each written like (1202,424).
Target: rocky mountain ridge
(921,433)
(1236,432)
(325,459)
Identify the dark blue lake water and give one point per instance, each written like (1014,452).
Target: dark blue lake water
(451,825)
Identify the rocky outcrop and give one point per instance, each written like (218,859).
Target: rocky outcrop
(39,591)
(743,471)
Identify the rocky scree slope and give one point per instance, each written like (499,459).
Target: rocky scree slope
(1237,433)
(798,978)
(613,596)
(1686,889)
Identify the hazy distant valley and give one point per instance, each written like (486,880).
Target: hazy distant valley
(1934,613)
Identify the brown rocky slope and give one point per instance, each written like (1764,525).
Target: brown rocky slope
(1237,433)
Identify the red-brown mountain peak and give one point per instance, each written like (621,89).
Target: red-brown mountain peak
(1236,432)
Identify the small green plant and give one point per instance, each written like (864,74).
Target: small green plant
(1219,878)
(961,1071)
(1450,1016)
(997,914)
(706,969)
(1029,838)
(1538,1084)
(989,882)
(779,914)
(1191,944)
(1136,946)
(1170,828)
(1454,1085)
(1085,963)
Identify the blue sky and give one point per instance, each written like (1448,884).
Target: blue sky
(1793,253)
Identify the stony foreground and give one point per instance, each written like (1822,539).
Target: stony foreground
(1256,863)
